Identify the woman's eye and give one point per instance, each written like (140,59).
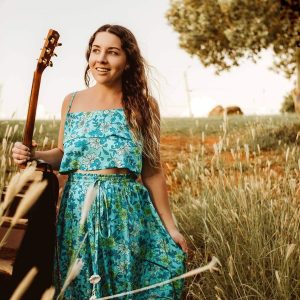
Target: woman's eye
(113,52)
(95,50)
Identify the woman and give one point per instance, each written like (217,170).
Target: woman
(109,135)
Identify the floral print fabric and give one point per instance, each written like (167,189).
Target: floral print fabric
(98,140)
(127,244)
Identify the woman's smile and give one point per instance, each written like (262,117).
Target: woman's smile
(102,70)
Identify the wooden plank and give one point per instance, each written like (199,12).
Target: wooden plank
(21,224)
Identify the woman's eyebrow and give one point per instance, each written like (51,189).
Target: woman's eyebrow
(97,46)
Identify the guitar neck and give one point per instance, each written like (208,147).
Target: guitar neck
(43,62)
(29,125)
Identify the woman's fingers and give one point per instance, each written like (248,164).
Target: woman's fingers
(34,143)
(183,245)
(20,146)
(20,161)
(179,239)
(20,153)
(20,156)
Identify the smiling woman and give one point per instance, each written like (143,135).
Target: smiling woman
(109,136)
(107,59)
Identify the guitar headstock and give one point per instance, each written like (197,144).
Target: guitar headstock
(48,50)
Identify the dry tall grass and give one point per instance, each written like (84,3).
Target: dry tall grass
(237,200)
(244,212)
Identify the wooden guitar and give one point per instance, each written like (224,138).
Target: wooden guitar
(38,245)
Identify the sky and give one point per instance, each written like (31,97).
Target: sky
(25,24)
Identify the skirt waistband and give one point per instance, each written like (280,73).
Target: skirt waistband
(101,177)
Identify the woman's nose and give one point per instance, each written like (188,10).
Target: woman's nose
(102,57)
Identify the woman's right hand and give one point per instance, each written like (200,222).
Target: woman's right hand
(21,153)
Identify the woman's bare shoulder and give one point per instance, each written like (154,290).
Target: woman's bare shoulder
(69,96)
(66,101)
(84,92)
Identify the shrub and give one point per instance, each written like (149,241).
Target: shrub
(288,103)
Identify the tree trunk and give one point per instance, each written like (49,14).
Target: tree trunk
(297,89)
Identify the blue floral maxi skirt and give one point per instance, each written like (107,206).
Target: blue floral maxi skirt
(127,244)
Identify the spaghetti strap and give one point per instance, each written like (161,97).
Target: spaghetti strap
(71,101)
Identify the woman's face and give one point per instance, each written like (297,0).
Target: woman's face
(107,60)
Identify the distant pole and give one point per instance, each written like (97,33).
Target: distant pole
(187,90)
(297,89)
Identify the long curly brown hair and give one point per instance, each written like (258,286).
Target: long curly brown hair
(141,109)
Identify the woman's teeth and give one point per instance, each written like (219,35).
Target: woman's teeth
(102,69)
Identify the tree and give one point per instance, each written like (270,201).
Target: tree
(288,103)
(222,32)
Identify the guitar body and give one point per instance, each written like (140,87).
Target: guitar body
(38,245)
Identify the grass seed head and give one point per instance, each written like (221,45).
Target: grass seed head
(48,294)
(24,284)
(30,197)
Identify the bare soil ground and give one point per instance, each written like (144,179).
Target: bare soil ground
(174,147)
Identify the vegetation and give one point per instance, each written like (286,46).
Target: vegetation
(222,32)
(288,105)
(234,188)
(247,216)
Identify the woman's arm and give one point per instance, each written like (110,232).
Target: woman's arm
(153,179)
(54,156)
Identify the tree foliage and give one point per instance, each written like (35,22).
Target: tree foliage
(221,32)
(288,105)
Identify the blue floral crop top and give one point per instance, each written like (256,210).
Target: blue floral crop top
(99,140)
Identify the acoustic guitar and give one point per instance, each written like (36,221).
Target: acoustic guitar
(38,244)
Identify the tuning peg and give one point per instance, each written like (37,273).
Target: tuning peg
(50,64)
(59,44)
(54,54)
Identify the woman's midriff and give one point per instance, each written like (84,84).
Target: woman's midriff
(106,171)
